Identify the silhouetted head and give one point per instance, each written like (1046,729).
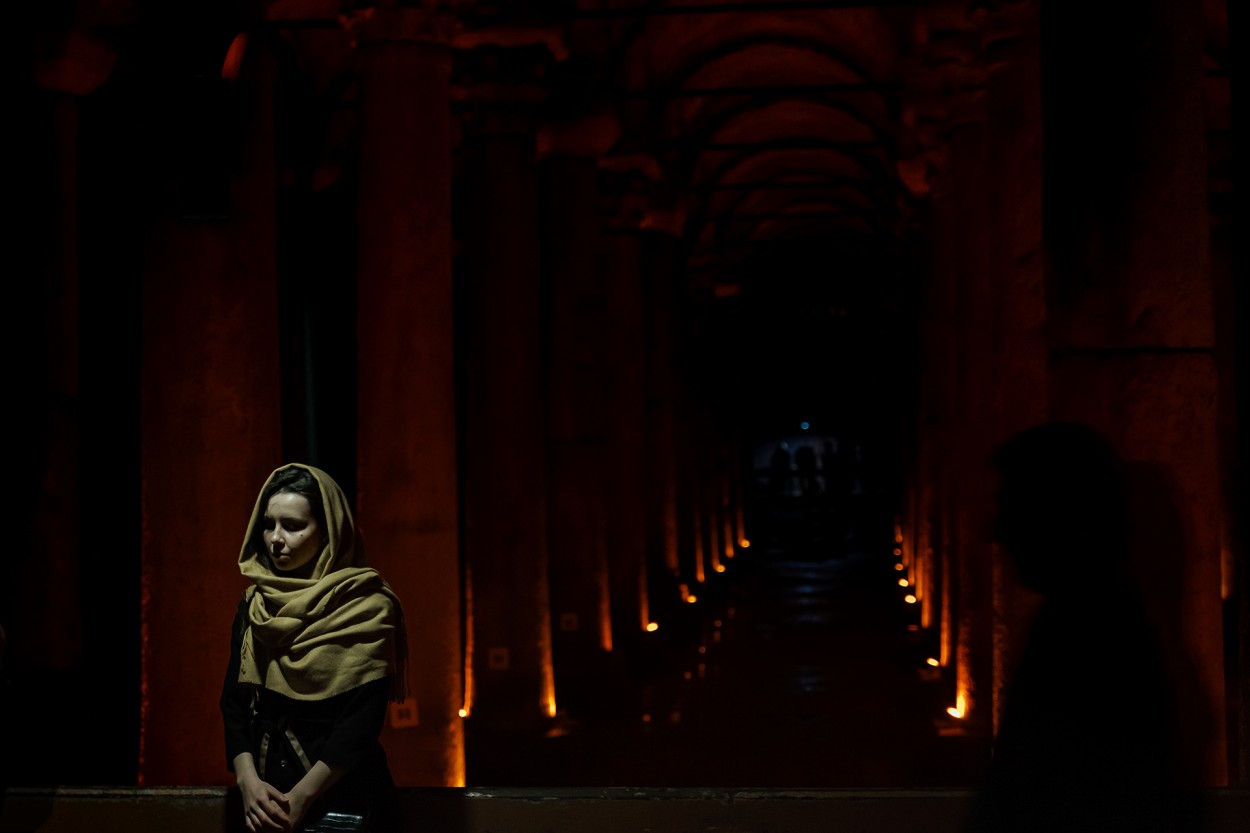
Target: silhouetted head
(1061,507)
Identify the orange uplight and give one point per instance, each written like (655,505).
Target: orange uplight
(652,627)
(903,582)
(469,680)
(899,567)
(646,718)
(898,550)
(720,568)
(745,544)
(957,711)
(932,661)
(691,599)
(910,599)
(547,699)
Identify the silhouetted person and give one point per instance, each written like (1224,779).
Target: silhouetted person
(857,470)
(835,464)
(779,470)
(1084,743)
(805,463)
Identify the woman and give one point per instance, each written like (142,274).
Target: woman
(317,652)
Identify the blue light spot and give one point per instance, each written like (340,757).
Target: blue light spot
(805,425)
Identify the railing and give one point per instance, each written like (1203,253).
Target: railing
(501,810)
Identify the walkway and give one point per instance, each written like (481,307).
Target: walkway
(798,673)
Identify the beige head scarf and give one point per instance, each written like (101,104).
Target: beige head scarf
(312,638)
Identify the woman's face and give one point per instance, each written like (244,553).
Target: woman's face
(292,536)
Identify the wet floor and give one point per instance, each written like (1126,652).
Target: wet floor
(800,670)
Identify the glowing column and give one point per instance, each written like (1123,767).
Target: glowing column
(626,392)
(577,427)
(505,524)
(1130,301)
(659,262)
(938,404)
(1013,56)
(211,419)
(407,494)
(973,485)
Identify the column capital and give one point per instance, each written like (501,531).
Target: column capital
(500,88)
(590,135)
(635,197)
(430,23)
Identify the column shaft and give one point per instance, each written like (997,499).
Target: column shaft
(211,420)
(406,458)
(576,423)
(1018,292)
(1130,305)
(658,269)
(626,517)
(505,524)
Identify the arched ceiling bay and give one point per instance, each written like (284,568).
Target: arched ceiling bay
(771,125)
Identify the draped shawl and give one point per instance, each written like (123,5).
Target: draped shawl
(312,638)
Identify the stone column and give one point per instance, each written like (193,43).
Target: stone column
(211,433)
(1130,303)
(576,424)
(939,403)
(728,455)
(659,276)
(1013,56)
(932,372)
(406,459)
(505,524)
(972,476)
(626,409)
(690,570)
(1232,305)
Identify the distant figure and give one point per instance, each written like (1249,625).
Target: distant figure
(805,463)
(1085,741)
(857,470)
(779,470)
(835,466)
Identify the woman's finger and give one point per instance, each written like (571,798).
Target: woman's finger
(264,821)
(277,811)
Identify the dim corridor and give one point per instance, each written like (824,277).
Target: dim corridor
(797,668)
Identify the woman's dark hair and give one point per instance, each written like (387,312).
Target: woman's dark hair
(296,480)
